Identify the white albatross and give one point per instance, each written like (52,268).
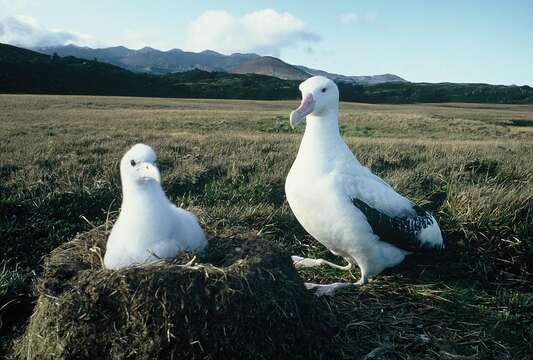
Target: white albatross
(351,211)
(149,227)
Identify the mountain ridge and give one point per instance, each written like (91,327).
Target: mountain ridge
(156,61)
(271,66)
(358,79)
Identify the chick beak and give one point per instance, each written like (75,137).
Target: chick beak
(147,171)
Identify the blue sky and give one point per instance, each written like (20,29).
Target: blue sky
(460,41)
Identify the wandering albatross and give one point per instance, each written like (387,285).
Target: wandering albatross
(351,211)
(149,226)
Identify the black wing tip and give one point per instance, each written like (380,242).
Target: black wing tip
(399,231)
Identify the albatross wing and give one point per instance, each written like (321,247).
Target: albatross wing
(392,217)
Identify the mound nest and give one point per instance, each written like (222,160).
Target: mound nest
(244,299)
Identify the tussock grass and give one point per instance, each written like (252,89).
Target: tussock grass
(15,300)
(241,299)
(467,163)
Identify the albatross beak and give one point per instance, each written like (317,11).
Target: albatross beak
(306,107)
(146,171)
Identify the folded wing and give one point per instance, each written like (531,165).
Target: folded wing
(392,217)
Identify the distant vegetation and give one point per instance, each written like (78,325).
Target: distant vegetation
(25,71)
(400,93)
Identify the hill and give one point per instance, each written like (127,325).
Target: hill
(368,80)
(16,55)
(25,71)
(409,93)
(271,66)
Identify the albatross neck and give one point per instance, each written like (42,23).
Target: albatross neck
(322,136)
(142,195)
(324,126)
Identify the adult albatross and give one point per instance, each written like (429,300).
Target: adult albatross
(149,226)
(351,211)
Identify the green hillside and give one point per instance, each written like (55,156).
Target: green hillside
(25,71)
(399,93)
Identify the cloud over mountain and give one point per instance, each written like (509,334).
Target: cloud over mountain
(264,31)
(26,31)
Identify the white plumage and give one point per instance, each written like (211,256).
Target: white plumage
(149,227)
(351,211)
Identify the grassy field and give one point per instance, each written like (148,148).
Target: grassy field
(470,164)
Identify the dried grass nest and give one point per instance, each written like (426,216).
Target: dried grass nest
(243,299)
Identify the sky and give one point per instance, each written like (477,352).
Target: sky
(489,41)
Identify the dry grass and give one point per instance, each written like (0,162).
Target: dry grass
(470,164)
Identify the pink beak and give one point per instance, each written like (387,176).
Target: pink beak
(306,107)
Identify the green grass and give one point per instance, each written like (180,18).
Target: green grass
(469,164)
(12,279)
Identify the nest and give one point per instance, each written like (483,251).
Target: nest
(243,299)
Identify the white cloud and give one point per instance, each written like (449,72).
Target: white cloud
(27,32)
(369,17)
(265,31)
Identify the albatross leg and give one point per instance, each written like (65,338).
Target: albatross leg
(327,289)
(331,289)
(300,262)
(363,280)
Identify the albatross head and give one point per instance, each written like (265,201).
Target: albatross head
(138,165)
(319,94)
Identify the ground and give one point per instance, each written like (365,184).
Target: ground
(469,164)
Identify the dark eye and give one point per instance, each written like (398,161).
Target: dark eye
(324,90)
(132,162)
